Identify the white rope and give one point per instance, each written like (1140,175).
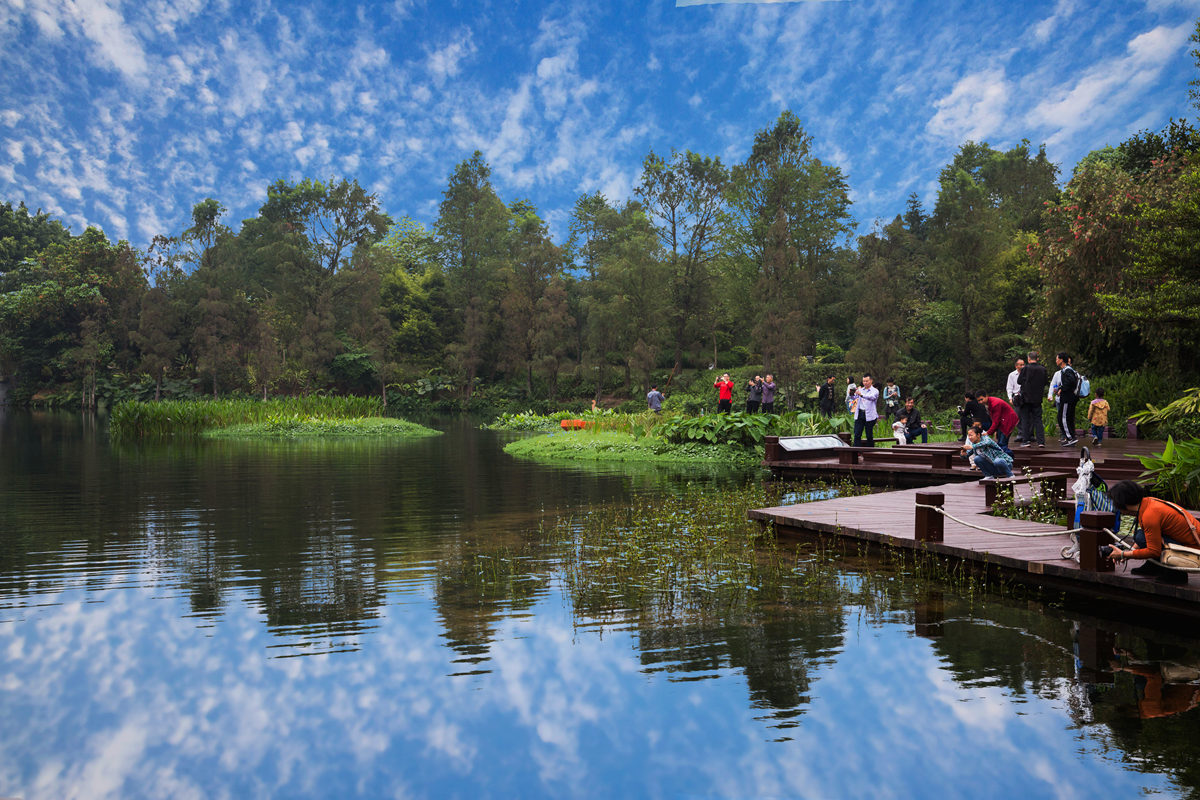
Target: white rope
(948,515)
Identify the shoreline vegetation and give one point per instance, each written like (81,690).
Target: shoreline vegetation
(734,440)
(588,445)
(286,417)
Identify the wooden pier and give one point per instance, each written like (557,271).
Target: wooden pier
(915,465)
(893,519)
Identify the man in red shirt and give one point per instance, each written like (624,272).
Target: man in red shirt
(724,388)
(1004,418)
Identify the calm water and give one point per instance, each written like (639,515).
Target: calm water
(254,619)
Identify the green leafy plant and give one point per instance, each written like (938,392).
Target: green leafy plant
(1176,471)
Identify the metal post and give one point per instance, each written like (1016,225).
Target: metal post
(930,524)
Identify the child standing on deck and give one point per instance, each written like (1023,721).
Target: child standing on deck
(900,430)
(1098,416)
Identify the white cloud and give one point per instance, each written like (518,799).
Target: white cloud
(447,62)
(1108,89)
(975,108)
(1043,30)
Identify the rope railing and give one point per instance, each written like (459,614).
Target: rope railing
(941,510)
(1068,552)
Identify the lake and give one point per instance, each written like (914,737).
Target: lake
(430,619)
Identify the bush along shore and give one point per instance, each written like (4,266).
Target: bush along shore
(279,417)
(732,439)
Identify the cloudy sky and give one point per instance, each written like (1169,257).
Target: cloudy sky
(124,114)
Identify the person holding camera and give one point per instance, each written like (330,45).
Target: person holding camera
(768,394)
(866,399)
(754,393)
(724,388)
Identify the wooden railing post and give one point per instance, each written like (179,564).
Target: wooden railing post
(989,491)
(1091,538)
(930,524)
(847,455)
(773,451)
(942,460)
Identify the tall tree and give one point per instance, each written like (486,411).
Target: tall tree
(533,260)
(684,197)
(785,201)
(472,228)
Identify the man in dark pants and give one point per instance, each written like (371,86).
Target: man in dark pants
(868,411)
(1032,381)
(825,399)
(1067,399)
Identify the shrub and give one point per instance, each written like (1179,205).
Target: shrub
(1176,472)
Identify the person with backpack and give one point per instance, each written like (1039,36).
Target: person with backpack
(1068,397)
(1158,523)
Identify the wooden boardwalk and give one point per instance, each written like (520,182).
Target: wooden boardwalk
(919,465)
(888,519)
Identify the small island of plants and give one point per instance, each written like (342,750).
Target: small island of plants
(731,439)
(282,417)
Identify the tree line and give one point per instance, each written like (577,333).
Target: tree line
(707,265)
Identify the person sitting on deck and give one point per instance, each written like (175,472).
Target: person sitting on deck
(1158,523)
(986,455)
(914,427)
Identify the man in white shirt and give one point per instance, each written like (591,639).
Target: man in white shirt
(864,419)
(1014,393)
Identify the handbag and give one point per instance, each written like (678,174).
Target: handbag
(1176,555)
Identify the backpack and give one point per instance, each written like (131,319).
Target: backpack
(1083,387)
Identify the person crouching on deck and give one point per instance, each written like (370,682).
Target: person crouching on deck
(986,455)
(1158,522)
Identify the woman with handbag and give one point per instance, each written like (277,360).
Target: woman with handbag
(1159,524)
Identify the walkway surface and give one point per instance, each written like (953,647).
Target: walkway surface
(889,519)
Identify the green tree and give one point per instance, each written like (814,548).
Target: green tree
(48,300)
(24,235)
(683,197)
(533,260)
(786,204)
(472,228)
(1159,293)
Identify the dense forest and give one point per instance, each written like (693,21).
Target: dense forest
(708,265)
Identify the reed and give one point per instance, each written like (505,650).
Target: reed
(135,420)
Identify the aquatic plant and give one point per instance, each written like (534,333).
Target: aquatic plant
(134,420)
(294,426)
(588,445)
(1039,507)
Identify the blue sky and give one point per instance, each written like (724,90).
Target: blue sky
(124,114)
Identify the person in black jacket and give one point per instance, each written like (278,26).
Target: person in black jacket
(825,399)
(913,426)
(1032,383)
(1068,385)
(970,412)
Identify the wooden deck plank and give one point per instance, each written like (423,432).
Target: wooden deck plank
(889,519)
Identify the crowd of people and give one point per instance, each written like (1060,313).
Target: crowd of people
(998,421)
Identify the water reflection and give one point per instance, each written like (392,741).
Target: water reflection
(151,600)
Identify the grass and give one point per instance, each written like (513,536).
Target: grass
(297,427)
(600,445)
(134,420)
